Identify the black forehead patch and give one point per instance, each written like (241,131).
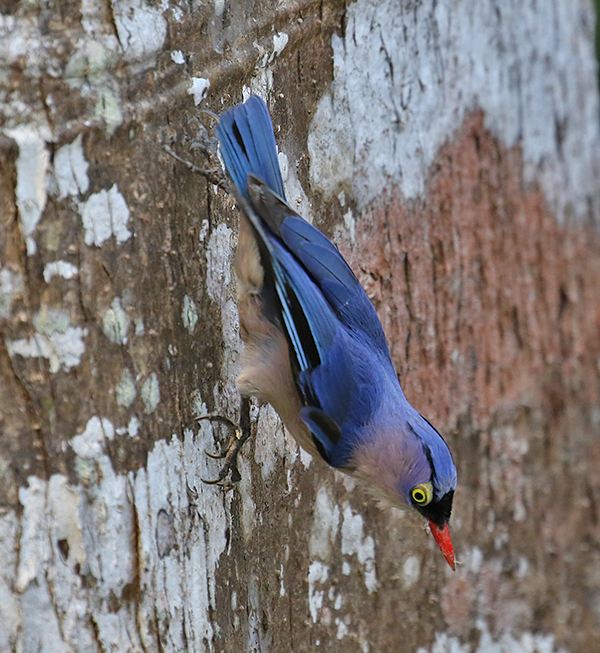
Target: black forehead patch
(427,452)
(438,511)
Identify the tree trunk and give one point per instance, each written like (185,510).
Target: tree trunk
(452,151)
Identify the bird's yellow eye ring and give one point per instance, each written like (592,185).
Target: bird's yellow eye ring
(422,494)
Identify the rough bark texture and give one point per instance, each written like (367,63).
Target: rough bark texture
(452,150)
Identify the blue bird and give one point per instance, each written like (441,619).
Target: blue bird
(314,347)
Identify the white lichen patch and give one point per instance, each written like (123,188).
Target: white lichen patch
(325,526)
(177,57)
(10,615)
(90,68)
(526,643)
(259,637)
(280,40)
(90,64)
(70,169)
(64,503)
(61,349)
(105,214)
(108,107)
(140,329)
(305,458)
(115,323)
(446,644)
(342,629)
(347,231)
(133,428)
(219,253)
(52,552)
(355,542)
(294,192)
(411,570)
(125,391)
(198,89)
(282,590)
(141,28)
(183,581)
(221,289)
(189,314)
(97,529)
(404,80)
(55,339)
(262,82)
(318,573)
(32,167)
(62,269)
(204,227)
(107,523)
(248,506)
(151,393)
(270,444)
(219,7)
(11,285)
(89,445)
(34,546)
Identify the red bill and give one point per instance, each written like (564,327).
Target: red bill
(442,537)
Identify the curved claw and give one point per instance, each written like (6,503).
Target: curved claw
(224,420)
(196,145)
(230,455)
(194,120)
(215,482)
(215,456)
(211,114)
(223,483)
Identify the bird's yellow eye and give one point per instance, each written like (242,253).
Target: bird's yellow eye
(422,494)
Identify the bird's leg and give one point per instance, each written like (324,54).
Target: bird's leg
(214,176)
(208,146)
(240,435)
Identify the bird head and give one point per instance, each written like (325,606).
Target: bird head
(412,466)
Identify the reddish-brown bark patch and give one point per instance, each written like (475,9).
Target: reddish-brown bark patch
(487,301)
(492,311)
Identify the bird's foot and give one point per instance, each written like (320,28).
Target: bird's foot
(229,473)
(208,147)
(202,141)
(214,176)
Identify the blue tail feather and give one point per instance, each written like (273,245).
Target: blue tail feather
(248,145)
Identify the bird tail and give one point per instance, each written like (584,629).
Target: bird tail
(247,141)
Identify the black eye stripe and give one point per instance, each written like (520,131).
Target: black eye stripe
(427,452)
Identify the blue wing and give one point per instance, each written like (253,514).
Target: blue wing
(339,285)
(339,352)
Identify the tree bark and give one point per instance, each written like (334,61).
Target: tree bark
(452,151)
